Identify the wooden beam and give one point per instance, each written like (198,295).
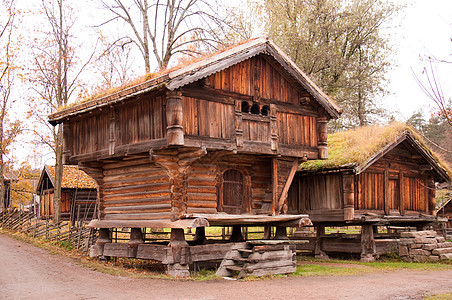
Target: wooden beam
(348,186)
(283,197)
(274,185)
(386,190)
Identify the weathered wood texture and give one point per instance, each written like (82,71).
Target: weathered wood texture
(135,190)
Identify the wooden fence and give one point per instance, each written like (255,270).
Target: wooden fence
(78,237)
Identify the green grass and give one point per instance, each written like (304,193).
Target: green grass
(447,296)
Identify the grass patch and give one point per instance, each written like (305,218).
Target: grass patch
(447,296)
(322,270)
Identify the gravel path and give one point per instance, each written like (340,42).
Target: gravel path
(28,272)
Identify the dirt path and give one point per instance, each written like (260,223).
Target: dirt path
(28,272)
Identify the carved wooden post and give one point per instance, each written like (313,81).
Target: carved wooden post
(368,248)
(66,139)
(322,137)
(273,128)
(348,183)
(178,266)
(112,132)
(431,198)
(238,124)
(136,238)
(174,119)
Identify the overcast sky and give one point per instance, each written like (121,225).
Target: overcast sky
(425,31)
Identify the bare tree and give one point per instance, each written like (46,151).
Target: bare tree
(162,29)
(56,80)
(8,129)
(432,87)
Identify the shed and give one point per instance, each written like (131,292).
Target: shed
(445,211)
(215,142)
(78,193)
(375,175)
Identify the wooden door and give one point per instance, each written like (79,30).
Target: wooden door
(233,192)
(393,201)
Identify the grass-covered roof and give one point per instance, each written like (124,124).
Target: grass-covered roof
(353,149)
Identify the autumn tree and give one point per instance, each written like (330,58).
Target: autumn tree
(55,79)
(340,44)
(9,129)
(164,29)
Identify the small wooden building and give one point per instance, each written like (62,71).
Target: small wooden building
(216,142)
(376,175)
(445,211)
(78,194)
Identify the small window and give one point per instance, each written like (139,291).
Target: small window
(245,107)
(255,109)
(265,110)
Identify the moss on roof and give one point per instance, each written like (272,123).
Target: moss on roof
(352,148)
(149,76)
(73,178)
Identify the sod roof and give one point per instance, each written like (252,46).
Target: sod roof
(357,149)
(73,178)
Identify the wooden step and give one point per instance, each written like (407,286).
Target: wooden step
(245,250)
(234,268)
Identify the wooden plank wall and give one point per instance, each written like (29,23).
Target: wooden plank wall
(318,192)
(297,129)
(208,118)
(135,121)
(135,190)
(415,193)
(89,134)
(370,193)
(256,77)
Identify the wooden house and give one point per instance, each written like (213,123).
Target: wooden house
(216,142)
(445,211)
(78,193)
(375,175)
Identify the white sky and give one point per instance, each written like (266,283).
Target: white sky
(425,30)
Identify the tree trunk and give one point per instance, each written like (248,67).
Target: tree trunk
(58,174)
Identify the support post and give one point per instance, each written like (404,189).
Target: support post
(274,185)
(267,232)
(320,231)
(281,233)
(136,238)
(431,198)
(104,238)
(179,251)
(236,235)
(200,236)
(368,248)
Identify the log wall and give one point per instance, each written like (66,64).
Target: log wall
(135,190)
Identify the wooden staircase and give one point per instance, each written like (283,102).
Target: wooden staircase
(256,258)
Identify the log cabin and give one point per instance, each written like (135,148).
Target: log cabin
(375,175)
(78,194)
(215,142)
